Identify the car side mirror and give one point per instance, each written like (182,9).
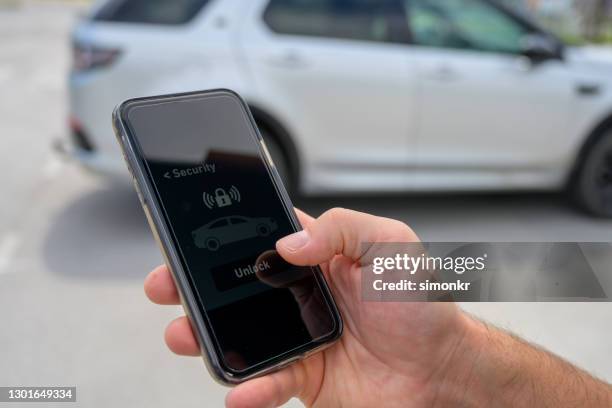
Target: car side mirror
(539,48)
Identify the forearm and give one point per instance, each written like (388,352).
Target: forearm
(492,368)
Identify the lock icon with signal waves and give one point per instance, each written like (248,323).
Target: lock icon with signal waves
(222,198)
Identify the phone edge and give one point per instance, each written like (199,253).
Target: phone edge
(162,237)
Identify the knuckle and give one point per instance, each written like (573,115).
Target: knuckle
(404,230)
(335,214)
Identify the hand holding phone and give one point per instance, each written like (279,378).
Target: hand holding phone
(391,353)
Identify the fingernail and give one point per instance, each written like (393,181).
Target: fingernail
(295,241)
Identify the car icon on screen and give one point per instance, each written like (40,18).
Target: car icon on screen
(226,230)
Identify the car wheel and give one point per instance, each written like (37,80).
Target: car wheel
(212,244)
(593,183)
(263,230)
(281,162)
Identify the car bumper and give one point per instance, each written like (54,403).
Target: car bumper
(99,163)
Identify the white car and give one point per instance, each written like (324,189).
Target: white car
(364,95)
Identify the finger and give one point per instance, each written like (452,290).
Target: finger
(273,390)
(180,338)
(340,231)
(160,287)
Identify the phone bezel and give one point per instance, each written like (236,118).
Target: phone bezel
(153,209)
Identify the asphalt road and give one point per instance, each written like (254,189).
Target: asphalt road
(74,250)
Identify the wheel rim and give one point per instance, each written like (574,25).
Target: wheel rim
(604,178)
(263,230)
(212,244)
(597,177)
(604,181)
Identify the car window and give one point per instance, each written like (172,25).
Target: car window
(464,24)
(368,20)
(219,223)
(236,220)
(150,11)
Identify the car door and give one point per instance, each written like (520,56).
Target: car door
(337,73)
(483,106)
(220,229)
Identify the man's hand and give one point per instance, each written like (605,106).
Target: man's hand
(391,354)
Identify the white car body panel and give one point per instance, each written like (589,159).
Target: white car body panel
(363,116)
(349,115)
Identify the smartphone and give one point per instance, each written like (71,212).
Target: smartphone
(217,206)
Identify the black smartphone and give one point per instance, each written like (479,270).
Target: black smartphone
(217,206)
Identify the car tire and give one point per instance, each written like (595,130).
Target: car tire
(592,185)
(212,244)
(280,159)
(263,230)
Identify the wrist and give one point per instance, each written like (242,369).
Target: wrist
(491,368)
(478,367)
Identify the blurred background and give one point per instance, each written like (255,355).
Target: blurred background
(468,120)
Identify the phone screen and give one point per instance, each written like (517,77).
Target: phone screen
(225,214)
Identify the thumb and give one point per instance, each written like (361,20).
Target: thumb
(341,232)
